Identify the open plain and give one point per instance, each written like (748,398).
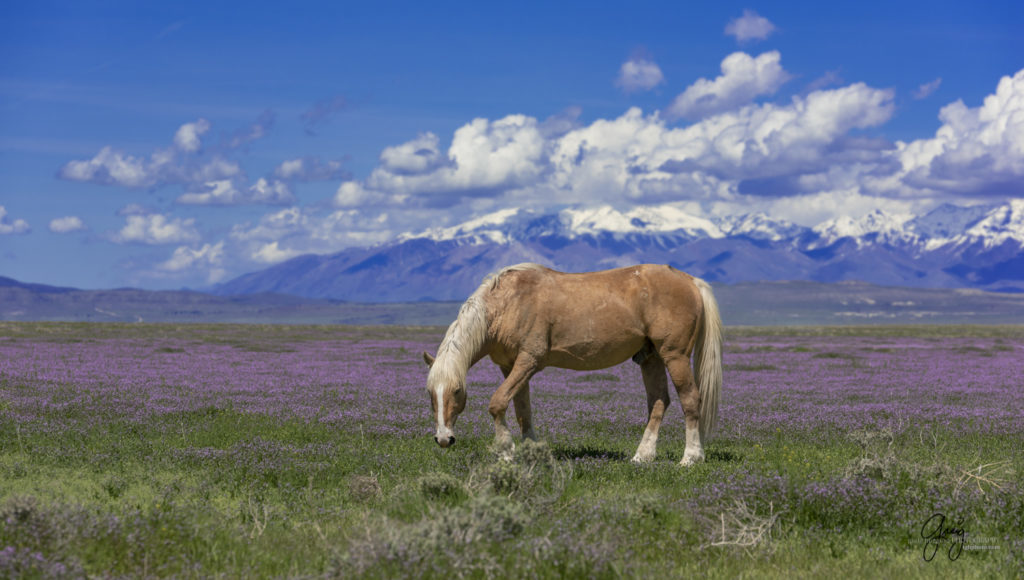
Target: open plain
(189,450)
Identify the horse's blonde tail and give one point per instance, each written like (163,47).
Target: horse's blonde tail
(707,359)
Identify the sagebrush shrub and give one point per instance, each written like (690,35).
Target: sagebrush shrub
(439,485)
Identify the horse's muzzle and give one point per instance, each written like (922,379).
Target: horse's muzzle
(445,442)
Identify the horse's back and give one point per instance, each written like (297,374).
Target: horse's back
(634,287)
(596,319)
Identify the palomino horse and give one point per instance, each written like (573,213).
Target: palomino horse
(527,317)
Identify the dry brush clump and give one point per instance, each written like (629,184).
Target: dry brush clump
(741,526)
(533,475)
(877,458)
(364,488)
(892,485)
(441,486)
(453,539)
(986,478)
(904,489)
(492,507)
(882,458)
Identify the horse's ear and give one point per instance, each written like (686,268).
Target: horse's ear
(428,359)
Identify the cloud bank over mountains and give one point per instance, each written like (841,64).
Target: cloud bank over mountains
(723,146)
(805,159)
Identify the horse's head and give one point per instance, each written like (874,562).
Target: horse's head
(447,393)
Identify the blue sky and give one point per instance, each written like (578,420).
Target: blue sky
(180,144)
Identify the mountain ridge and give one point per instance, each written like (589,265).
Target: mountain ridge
(978,247)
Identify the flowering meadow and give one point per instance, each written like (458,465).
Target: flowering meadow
(153,450)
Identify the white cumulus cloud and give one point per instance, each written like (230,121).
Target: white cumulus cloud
(414,157)
(209,178)
(352,194)
(925,90)
(227,192)
(295,231)
(750,26)
(109,167)
(271,192)
(156,229)
(639,74)
(743,78)
(815,208)
(485,157)
(976,152)
(208,258)
(310,169)
(9,226)
(67,224)
(272,253)
(219,192)
(634,158)
(638,157)
(187,136)
(163,167)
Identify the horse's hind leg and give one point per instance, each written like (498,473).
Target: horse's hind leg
(524,417)
(689,397)
(656,384)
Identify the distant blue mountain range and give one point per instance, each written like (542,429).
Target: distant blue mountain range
(978,247)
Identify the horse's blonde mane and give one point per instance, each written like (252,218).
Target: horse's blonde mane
(467,334)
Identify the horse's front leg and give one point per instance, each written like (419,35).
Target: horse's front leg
(523,412)
(516,379)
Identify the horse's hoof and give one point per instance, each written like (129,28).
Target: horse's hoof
(690,460)
(641,459)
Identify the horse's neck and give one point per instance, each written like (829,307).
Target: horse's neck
(465,343)
(479,356)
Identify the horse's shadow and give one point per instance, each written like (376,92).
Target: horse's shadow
(726,456)
(710,456)
(588,452)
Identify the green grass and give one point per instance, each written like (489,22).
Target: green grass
(219,493)
(127,502)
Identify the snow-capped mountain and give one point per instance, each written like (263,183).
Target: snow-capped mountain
(949,247)
(946,225)
(511,224)
(1004,223)
(876,226)
(759,226)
